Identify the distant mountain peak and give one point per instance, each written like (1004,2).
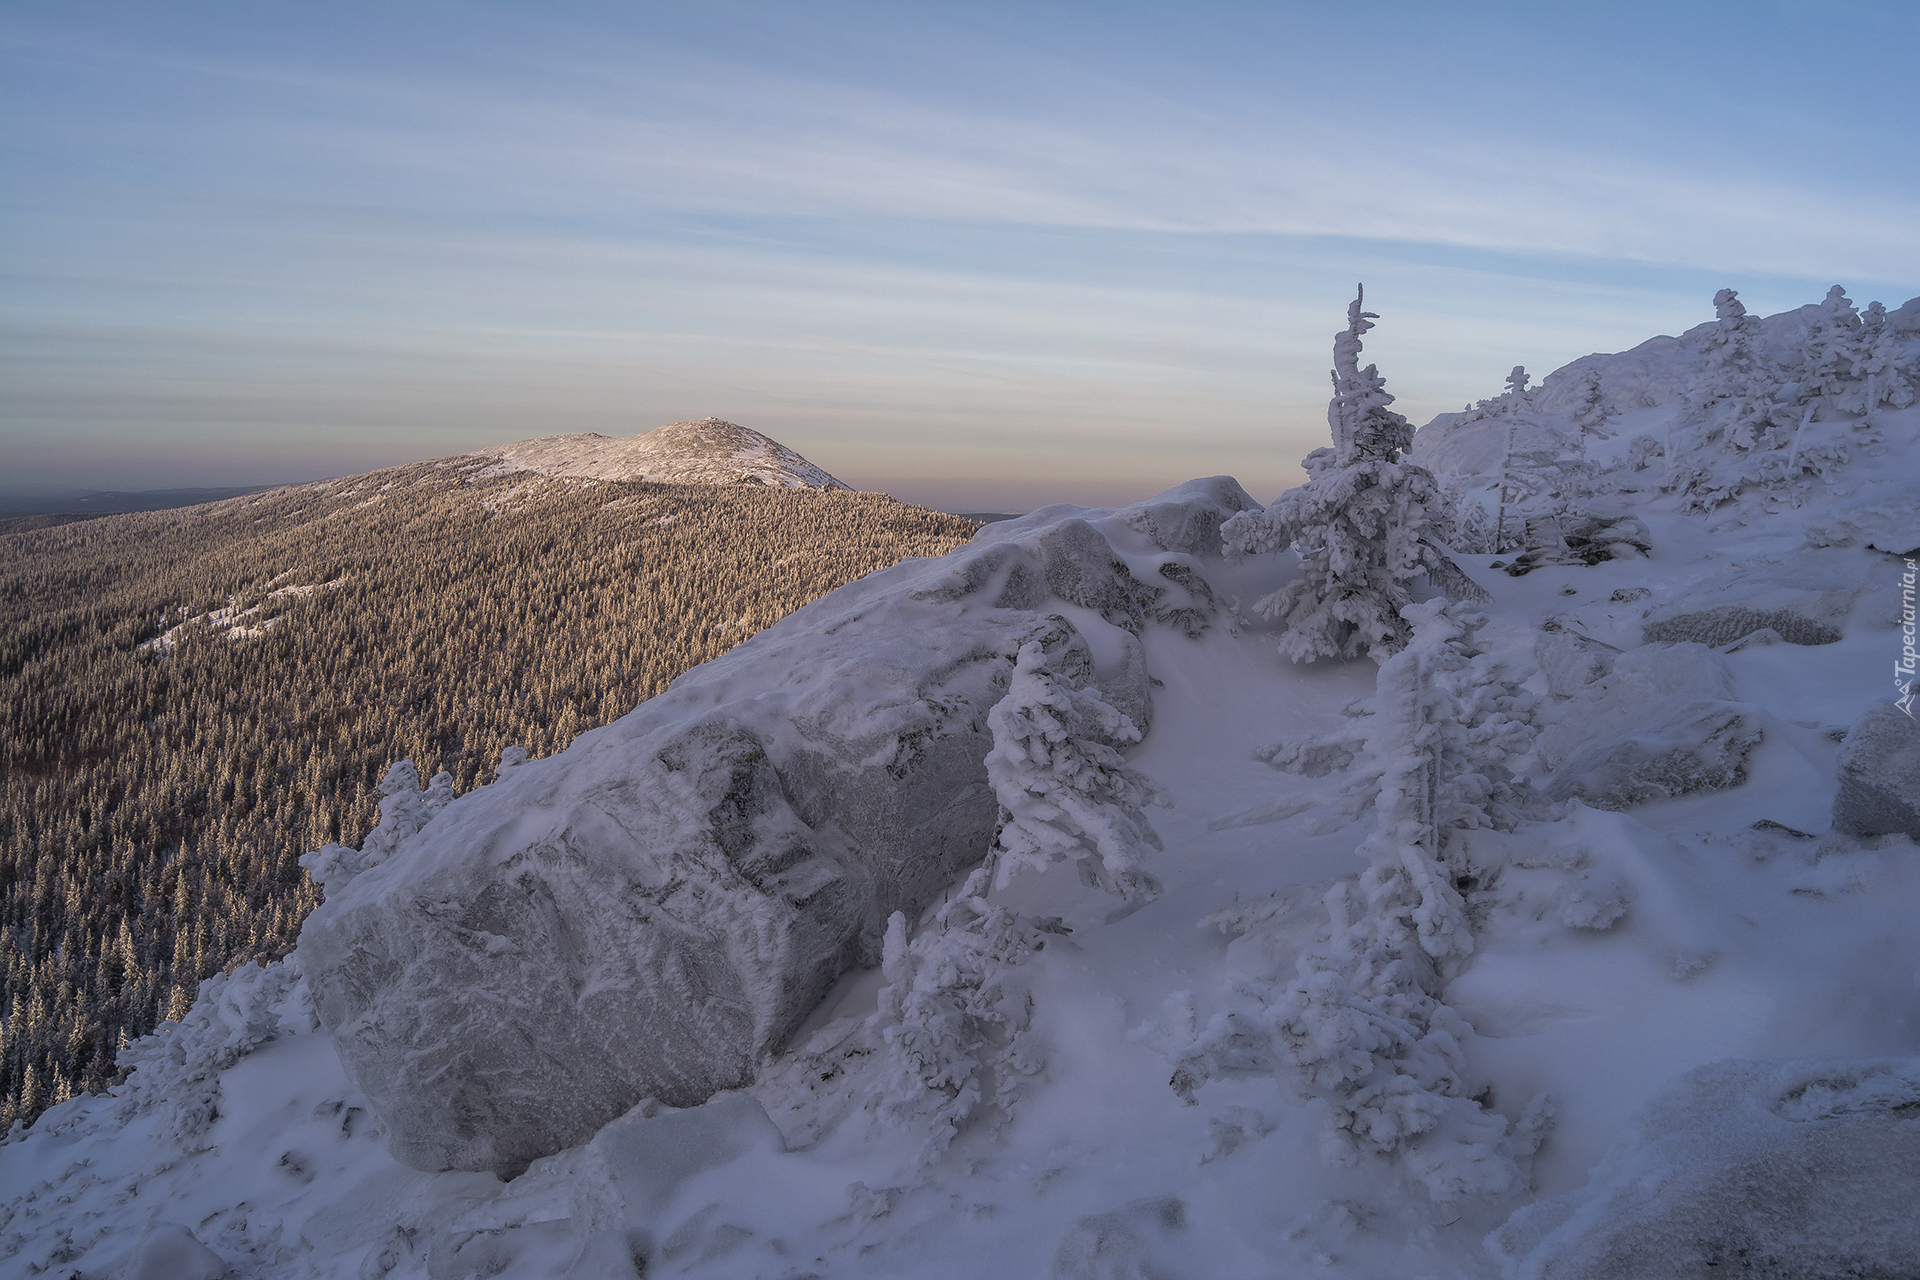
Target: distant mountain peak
(703,451)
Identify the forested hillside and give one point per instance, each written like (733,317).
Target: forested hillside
(191,699)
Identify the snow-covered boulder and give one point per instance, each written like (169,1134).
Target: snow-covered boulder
(1660,723)
(1795,1170)
(652,912)
(1880,776)
(632,1168)
(170,1252)
(1805,596)
(1570,661)
(1138,1241)
(1887,521)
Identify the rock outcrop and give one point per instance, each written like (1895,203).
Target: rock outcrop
(1880,776)
(1660,723)
(1797,1170)
(652,912)
(1806,597)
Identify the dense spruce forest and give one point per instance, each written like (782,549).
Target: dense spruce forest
(192,699)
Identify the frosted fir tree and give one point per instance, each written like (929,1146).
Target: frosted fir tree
(1831,348)
(954,1018)
(1362,1024)
(404,809)
(1363,525)
(1734,396)
(1886,370)
(1456,717)
(1065,792)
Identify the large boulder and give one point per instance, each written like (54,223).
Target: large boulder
(1880,776)
(1660,723)
(1805,596)
(653,911)
(1798,1170)
(1885,521)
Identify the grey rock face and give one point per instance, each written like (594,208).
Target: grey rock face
(1880,776)
(1797,1170)
(652,912)
(1659,724)
(1806,597)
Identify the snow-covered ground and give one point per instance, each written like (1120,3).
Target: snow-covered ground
(229,621)
(704,451)
(1717,991)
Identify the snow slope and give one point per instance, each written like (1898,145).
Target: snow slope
(704,451)
(1719,993)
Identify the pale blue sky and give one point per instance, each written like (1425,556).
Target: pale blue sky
(982,255)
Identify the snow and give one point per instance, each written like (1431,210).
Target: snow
(1646,1036)
(1879,765)
(1660,723)
(1801,1169)
(226,621)
(703,451)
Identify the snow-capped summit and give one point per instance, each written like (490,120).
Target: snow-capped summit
(703,451)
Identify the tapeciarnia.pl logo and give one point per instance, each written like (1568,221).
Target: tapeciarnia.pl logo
(1903,666)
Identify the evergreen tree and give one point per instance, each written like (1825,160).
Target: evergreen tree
(1064,792)
(1362,1023)
(953,1017)
(1360,524)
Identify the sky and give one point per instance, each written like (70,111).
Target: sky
(979,255)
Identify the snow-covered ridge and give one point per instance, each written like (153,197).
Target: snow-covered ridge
(1437,965)
(703,451)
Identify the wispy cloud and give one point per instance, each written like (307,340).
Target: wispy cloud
(997,259)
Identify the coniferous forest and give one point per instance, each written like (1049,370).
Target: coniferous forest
(191,699)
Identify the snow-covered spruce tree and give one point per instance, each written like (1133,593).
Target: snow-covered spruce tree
(1362,1024)
(1885,368)
(1831,347)
(1065,792)
(953,1017)
(404,809)
(1360,524)
(1734,397)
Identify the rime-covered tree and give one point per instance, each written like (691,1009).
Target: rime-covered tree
(1360,524)
(1362,1023)
(953,1018)
(1734,388)
(1832,345)
(1886,370)
(1065,793)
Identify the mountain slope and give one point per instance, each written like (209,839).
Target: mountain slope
(190,699)
(1676,1030)
(704,451)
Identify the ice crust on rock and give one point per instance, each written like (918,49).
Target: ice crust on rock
(1571,662)
(1806,597)
(1879,790)
(1793,1170)
(1660,723)
(652,912)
